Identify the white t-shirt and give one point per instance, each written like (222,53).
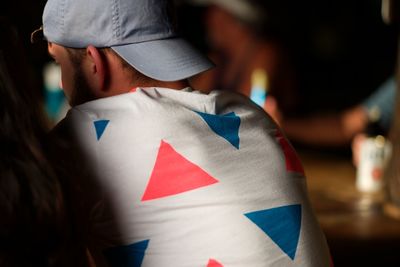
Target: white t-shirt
(182,178)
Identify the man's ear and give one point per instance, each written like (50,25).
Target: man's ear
(96,69)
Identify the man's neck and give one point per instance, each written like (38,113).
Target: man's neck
(177,85)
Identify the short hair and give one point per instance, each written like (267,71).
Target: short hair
(76,55)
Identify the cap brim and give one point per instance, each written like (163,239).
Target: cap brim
(170,59)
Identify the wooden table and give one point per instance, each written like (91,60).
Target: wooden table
(359,233)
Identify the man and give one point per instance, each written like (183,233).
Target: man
(179,178)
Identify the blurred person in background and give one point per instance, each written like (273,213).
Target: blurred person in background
(345,129)
(339,129)
(300,95)
(245,37)
(36,226)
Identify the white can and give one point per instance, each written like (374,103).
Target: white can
(374,155)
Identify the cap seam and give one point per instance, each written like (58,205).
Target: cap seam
(116,20)
(62,16)
(154,37)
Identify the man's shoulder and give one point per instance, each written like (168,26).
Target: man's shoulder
(160,102)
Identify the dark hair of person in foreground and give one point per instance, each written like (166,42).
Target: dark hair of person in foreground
(36,227)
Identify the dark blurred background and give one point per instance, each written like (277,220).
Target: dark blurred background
(26,15)
(342,49)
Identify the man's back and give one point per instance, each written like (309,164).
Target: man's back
(186,179)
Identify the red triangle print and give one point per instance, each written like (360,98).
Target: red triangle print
(292,161)
(173,174)
(214,263)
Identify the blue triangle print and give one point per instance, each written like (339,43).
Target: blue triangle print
(130,255)
(226,126)
(282,225)
(100,126)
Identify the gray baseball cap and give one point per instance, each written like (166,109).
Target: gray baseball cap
(140,31)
